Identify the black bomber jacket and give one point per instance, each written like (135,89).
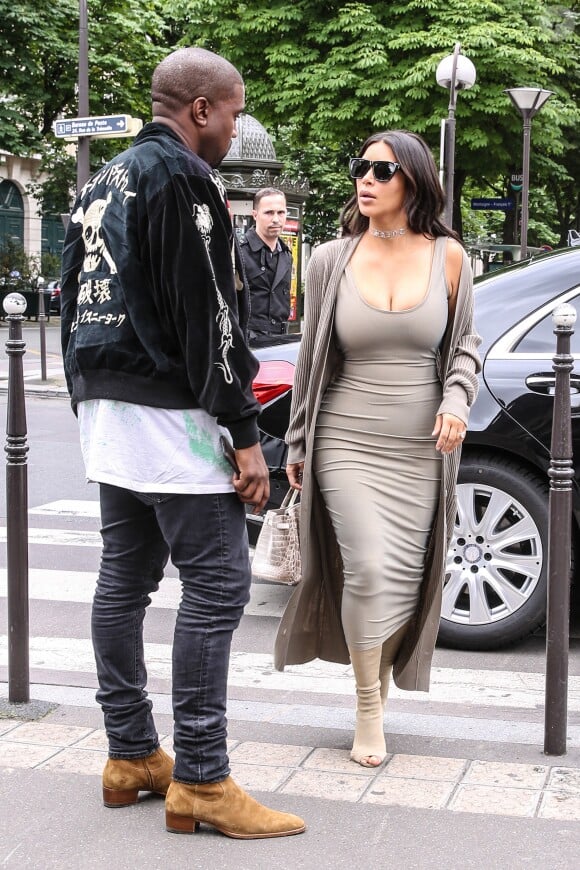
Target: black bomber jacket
(150,312)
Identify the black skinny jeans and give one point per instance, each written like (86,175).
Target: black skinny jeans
(206,537)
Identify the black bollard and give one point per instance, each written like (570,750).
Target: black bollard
(17,507)
(561,475)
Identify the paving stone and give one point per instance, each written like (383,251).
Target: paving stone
(269,754)
(501,773)
(426,767)
(495,801)
(46,732)
(97,740)
(398,791)
(7,725)
(560,805)
(422,782)
(84,761)
(564,779)
(255,777)
(338,760)
(23,754)
(331,786)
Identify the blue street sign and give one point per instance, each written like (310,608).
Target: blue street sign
(492,204)
(96,126)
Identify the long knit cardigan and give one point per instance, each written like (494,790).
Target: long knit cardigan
(311,625)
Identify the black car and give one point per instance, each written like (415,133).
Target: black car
(495,586)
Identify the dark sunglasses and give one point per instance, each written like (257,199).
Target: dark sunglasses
(383,170)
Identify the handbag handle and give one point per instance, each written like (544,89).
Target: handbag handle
(290,498)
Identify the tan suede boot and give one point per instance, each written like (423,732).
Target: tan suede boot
(124,778)
(227,807)
(369,749)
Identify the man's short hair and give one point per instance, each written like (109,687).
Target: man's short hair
(266,191)
(188,73)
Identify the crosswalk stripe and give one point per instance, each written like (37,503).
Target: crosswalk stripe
(256,671)
(78,587)
(59,537)
(68,508)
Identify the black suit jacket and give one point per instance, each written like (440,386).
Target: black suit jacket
(269,295)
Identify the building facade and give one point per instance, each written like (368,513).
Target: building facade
(20,220)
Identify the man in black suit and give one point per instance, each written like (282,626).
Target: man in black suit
(268,267)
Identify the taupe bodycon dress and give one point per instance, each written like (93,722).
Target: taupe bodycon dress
(374,455)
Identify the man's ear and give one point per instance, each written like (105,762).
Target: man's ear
(200,109)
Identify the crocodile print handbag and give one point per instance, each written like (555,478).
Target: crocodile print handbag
(277,554)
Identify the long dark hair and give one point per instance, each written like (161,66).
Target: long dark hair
(424,200)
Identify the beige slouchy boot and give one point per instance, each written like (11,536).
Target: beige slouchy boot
(390,651)
(369,747)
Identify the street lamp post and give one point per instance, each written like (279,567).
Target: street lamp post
(527,101)
(455,72)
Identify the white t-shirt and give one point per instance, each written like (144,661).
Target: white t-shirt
(153,449)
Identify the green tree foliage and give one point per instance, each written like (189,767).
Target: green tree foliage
(18,271)
(323,74)
(39,45)
(38,49)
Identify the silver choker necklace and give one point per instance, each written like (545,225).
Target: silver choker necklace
(388,234)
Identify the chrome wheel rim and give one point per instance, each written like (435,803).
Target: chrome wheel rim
(495,558)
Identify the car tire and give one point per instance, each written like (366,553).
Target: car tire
(496,577)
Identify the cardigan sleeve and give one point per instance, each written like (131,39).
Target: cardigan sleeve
(460,385)
(314,289)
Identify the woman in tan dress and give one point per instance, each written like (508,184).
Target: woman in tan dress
(386,417)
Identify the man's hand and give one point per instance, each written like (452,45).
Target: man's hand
(253,483)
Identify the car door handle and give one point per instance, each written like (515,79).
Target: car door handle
(546,384)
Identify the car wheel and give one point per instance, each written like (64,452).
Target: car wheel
(494,591)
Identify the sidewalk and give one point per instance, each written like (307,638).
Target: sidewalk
(547,790)
(430,810)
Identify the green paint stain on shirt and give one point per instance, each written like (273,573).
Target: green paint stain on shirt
(201,442)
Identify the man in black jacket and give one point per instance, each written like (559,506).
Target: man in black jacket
(153,321)
(268,266)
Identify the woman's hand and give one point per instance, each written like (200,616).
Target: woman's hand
(450,432)
(294,473)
